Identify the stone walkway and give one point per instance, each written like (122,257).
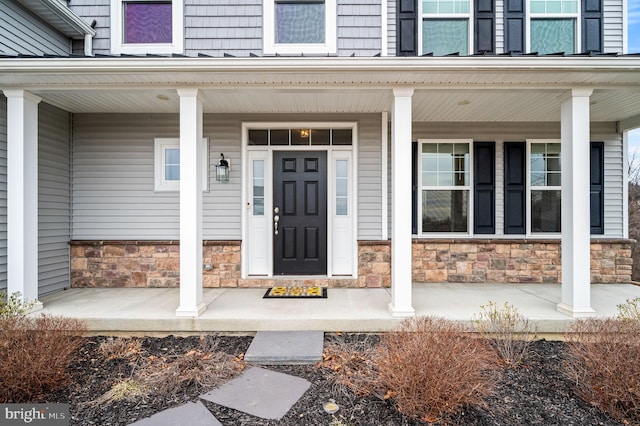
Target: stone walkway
(252,392)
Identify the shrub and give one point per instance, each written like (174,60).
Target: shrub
(432,368)
(172,375)
(35,351)
(509,331)
(120,348)
(603,363)
(128,390)
(630,310)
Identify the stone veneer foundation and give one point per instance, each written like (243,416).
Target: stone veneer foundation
(157,263)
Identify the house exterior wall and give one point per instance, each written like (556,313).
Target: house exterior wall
(613,25)
(23,32)
(54,198)
(3,192)
(113,175)
(235,27)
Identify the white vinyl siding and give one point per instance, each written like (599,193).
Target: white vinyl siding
(3,192)
(113,175)
(23,32)
(54,199)
(519,132)
(613,24)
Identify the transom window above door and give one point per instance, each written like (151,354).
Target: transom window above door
(299,26)
(147,26)
(300,137)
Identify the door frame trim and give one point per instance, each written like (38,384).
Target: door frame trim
(353,198)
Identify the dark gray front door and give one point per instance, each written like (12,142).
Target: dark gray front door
(300,208)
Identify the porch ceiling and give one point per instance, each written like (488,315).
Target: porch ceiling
(447,89)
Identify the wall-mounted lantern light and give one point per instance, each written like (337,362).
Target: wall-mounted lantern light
(222,170)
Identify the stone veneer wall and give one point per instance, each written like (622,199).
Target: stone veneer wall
(157,264)
(513,261)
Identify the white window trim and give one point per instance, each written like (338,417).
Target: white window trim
(530,188)
(469,16)
(469,188)
(577,48)
(269,32)
(117,32)
(160,144)
(333,151)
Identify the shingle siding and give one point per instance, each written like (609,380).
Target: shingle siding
(359,27)
(100,10)
(23,32)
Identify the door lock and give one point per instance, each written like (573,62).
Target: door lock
(276,220)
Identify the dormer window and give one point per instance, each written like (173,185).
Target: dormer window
(147,26)
(299,26)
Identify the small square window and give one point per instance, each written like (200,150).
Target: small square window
(167,164)
(147,22)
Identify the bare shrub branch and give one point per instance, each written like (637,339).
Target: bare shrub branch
(604,355)
(35,354)
(432,368)
(509,331)
(120,348)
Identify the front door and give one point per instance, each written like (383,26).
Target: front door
(300,213)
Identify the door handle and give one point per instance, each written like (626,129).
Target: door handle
(276,220)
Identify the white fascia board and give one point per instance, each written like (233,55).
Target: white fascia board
(66,15)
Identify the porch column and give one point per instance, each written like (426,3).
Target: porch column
(576,249)
(191,304)
(401,285)
(22,195)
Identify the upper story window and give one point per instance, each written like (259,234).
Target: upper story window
(299,26)
(553,26)
(446,27)
(147,26)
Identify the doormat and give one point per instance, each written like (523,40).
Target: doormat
(296,293)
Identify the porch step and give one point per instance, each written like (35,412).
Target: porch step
(285,347)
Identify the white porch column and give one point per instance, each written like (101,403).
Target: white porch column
(576,248)
(191,304)
(401,285)
(22,195)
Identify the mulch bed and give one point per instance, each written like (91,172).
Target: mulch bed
(536,393)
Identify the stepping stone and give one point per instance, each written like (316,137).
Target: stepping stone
(285,347)
(189,414)
(261,393)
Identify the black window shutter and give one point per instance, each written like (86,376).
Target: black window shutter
(407,21)
(485,34)
(414,187)
(514,26)
(592,26)
(484,187)
(597,188)
(515,213)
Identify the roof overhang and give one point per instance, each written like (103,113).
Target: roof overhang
(503,88)
(60,17)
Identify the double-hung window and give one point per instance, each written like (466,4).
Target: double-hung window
(299,26)
(446,27)
(553,26)
(545,186)
(147,26)
(167,164)
(446,186)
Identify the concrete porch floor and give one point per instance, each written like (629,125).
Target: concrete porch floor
(152,310)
